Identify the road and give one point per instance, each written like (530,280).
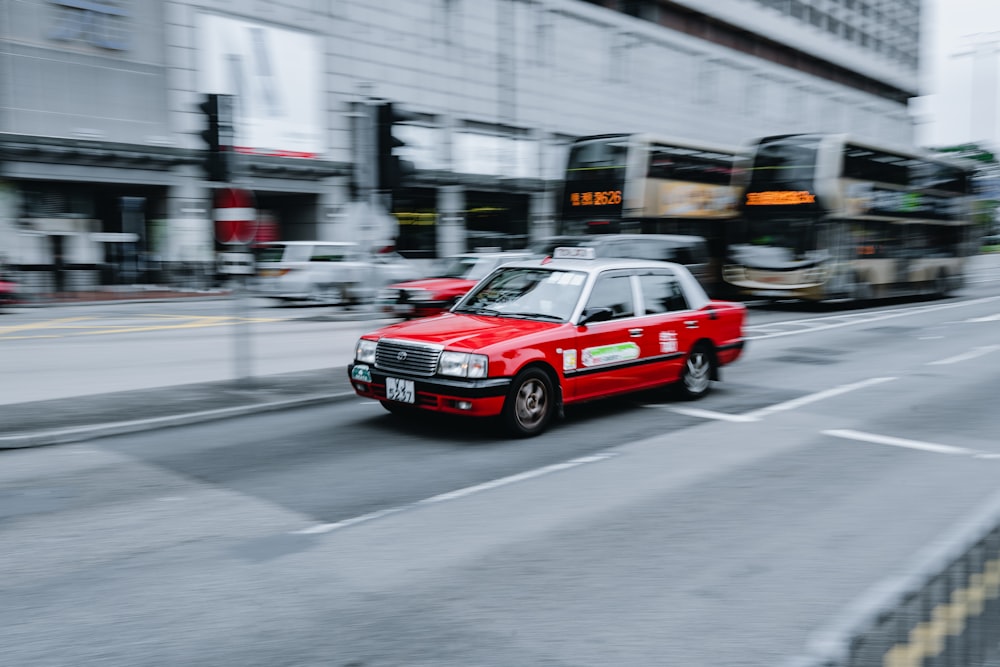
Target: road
(638,531)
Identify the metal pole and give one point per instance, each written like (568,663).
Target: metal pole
(242,357)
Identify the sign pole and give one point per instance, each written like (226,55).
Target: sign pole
(235,216)
(242,354)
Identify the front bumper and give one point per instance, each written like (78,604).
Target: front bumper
(480,398)
(412,309)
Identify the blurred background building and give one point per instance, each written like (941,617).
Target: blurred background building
(101,154)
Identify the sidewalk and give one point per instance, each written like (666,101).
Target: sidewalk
(81,418)
(123,293)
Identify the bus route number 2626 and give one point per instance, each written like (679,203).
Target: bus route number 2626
(600,198)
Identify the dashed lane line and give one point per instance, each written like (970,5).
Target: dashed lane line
(322,528)
(838,321)
(906,443)
(974,353)
(757,415)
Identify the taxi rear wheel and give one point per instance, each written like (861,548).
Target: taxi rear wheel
(696,378)
(530,403)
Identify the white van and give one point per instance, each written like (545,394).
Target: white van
(330,272)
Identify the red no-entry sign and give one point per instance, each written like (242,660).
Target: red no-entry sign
(235,214)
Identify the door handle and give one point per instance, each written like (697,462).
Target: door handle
(635,333)
(691,324)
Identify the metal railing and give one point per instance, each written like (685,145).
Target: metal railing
(943,611)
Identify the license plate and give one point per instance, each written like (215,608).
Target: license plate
(399,390)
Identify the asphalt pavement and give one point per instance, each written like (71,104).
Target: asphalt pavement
(79,418)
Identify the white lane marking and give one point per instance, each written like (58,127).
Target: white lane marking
(756,415)
(818,396)
(321,528)
(965,356)
(707,414)
(519,477)
(848,434)
(988,318)
(862,318)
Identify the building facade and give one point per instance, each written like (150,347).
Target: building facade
(100,147)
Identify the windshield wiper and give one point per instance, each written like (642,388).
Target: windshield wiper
(533,316)
(477,310)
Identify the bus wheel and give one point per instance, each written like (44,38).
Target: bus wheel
(861,289)
(696,377)
(530,403)
(942,284)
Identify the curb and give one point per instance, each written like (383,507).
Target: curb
(83,433)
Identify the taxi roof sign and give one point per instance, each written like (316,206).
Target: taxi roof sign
(574,252)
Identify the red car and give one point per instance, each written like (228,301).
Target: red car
(8,291)
(536,335)
(430,296)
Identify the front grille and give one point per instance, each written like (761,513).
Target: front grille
(405,357)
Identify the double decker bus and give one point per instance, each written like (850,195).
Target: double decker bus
(642,183)
(827,218)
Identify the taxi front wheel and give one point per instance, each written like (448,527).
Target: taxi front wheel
(530,403)
(696,378)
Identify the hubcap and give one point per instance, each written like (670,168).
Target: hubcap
(531,403)
(697,377)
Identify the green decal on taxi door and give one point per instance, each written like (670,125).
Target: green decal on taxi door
(610,354)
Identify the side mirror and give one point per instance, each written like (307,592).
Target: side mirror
(599,314)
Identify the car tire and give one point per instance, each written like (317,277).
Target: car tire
(530,403)
(696,376)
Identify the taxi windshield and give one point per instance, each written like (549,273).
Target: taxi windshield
(528,293)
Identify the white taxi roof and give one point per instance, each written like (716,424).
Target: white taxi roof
(696,295)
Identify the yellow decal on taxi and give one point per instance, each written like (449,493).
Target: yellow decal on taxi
(610,354)
(569,360)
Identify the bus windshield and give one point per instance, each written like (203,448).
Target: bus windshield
(784,163)
(595,181)
(597,159)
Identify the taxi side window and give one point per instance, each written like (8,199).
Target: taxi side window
(614,292)
(661,293)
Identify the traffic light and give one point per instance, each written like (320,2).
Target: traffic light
(218,136)
(391,168)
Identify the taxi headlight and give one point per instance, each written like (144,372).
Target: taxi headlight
(463,365)
(365,351)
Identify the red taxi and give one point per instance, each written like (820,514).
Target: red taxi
(430,296)
(536,335)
